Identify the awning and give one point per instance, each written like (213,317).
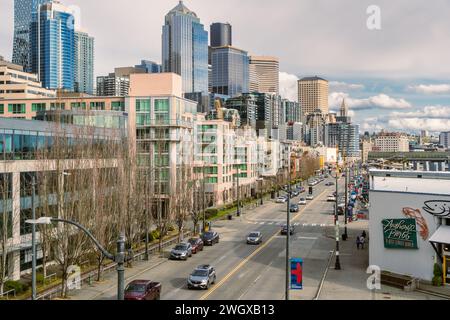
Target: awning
(442,235)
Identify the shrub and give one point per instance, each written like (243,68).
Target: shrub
(154,235)
(19,287)
(437,272)
(211,212)
(171,228)
(40,278)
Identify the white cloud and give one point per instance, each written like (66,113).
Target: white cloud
(439,112)
(381,101)
(430,89)
(337,85)
(288,86)
(415,124)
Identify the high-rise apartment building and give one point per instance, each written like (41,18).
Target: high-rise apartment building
(391,142)
(84,63)
(221,35)
(313,95)
(264,74)
(53,46)
(444,139)
(229,71)
(185,49)
(24,10)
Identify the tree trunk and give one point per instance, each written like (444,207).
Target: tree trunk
(100,267)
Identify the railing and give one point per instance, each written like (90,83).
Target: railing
(7,293)
(90,275)
(49,277)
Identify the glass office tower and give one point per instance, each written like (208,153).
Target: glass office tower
(53,46)
(185,49)
(23,14)
(221,34)
(229,71)
(84,63)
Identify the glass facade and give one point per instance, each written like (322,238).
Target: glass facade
(53,47)
(229,71)
(84,63)
(185,49)
(221,35)
(23,14)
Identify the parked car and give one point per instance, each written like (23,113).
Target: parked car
(295,193)
(328,184)
(294,207)
(202,277)
(181,251)
(302,202)
(143,290)
(254,238)
(197,244)
(331,199)
(310,197)
(302,189)
(210,237)
(284,230)
(281,199)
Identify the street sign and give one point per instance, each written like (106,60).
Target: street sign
(296,274)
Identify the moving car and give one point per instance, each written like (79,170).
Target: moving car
(181,251)
(295,193)
(302,202)
(281,199)
(284,230)
(310,197)
(254,238)
(202,277)
(293,207)
(328,184)
(210,237)
(331,199)
(197,244)
(143,290)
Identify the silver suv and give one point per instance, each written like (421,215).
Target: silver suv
(202,277)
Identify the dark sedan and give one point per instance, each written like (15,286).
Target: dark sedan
(197,244)
(210,237)
(294,207)
(284,230)
(143,290)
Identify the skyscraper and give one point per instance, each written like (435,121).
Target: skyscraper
(264,74)
(84,63)
(23,15)
(229,71)
(185,49)
(53,46)
(313,95)
(149,66)
(221,35)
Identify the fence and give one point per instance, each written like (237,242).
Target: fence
(88,277)
(7,293)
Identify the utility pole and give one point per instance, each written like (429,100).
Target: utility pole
(203,198)
(337,265)
(33,238)
(238,212)
(288,224)
(347,172)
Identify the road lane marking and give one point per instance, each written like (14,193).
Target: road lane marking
(247,259)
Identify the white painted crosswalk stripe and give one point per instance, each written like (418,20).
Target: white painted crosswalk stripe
(280,223)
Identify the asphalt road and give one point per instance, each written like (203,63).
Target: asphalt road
(252,272)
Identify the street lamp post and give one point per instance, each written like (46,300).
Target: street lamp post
(261,180)
(33,239)
(337,265)
(345,235)
(119,257)
(288,224)
(238,212)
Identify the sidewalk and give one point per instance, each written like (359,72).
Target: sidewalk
(350,283)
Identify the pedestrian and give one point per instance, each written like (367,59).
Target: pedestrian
(358,242)
(362,239)
(364,234)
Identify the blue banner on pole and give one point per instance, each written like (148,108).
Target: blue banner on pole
(296,274)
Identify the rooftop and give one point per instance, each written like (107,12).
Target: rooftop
(410,181)
(181,8)
(315,78)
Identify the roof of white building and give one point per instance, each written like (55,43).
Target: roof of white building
(410,181)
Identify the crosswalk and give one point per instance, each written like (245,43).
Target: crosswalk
(296,224)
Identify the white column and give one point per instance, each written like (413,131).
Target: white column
(15,256)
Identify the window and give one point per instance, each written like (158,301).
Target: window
(97,105)
(17,108)
(57,106)
(78,105)
(143,105)
(35,107)
(161,105)
(117,106)
(2,109)
(143,119)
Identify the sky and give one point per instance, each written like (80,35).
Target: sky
(395,77)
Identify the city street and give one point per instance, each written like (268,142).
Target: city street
(245,271)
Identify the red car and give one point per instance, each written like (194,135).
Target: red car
(143,290)
(197,244)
